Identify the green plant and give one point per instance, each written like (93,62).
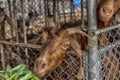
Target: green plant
(20,72)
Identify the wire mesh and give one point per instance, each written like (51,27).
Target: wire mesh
(110,59)
(68,16)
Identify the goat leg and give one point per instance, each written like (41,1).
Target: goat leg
(78,51)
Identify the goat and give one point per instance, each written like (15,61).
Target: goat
(54,51)
(105,10)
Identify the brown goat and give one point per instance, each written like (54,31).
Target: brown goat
(105,10)
(54,51)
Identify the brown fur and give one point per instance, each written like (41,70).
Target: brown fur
(105,10)
(54,52)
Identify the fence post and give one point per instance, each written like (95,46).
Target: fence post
(2,57)
(25,30)
(93,55)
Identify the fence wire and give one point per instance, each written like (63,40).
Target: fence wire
(110,59)
(67,16)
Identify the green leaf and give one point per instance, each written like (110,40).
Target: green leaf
(12,77)
(8,68)
(21,74)
(34,77)
(27,76)
(2,76)
(2,72)
(7,74)
(17,68)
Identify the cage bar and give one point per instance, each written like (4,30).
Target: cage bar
(93,56)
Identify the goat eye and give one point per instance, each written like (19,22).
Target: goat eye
(66,45)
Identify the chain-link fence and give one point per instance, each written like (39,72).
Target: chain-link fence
(24,45)
(106,64)
(109,55)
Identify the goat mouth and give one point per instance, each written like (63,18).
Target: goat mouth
(39,73)
(104,18)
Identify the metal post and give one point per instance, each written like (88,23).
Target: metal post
(9,5)
(58,14)
(15,22)
(71,10)
(9,8)
(82,14)
(55,12)
(2,57)
(24,30)
(45,11)
(26,6)
(93,56)
(63,7)
(59,11)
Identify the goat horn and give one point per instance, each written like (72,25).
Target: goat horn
(76,30)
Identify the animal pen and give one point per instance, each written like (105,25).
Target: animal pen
(24,45)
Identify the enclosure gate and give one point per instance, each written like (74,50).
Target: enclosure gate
(104,62)
(100,63)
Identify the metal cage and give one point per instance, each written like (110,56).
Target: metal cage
(100,63)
